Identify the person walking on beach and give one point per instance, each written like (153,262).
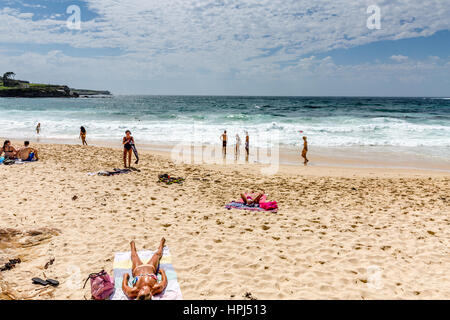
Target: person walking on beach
(38,128)
(305,150)
(83,135)
(223,137)
(127,142)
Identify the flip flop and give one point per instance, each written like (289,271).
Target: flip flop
(52,282)
(40,281)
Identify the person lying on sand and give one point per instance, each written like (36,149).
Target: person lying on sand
(9,150)
(27,153)
(145,276)
(252,198)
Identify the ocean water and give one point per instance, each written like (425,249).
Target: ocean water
(328,122)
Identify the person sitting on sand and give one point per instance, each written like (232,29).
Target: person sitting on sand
(305,150)
(83,135)
(127,142)
(9,150)
(26,153)
(145,276)
(251,199)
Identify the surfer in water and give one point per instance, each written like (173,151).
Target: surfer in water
(128,143)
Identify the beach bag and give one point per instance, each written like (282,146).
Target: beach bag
(8,162)
(271,205)
(102,286)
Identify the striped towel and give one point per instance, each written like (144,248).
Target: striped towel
(122,265)
(242,206)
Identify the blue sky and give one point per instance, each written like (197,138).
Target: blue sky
(243,47)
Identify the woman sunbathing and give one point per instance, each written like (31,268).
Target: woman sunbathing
(251,199)
(145,276)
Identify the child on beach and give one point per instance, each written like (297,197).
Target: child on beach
(127,142)
(83,135)
(305,150)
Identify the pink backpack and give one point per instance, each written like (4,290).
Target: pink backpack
(271,205)
(102,286)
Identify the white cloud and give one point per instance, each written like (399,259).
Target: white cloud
(172,39)
(399,58)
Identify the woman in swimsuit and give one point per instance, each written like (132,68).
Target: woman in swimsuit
(128,140)
(9,150)
(83,135)
(145,276)
(251,199)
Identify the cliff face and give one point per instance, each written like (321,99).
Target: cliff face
(38,92)
(24,89)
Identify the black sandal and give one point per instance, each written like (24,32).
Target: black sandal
(40,281)
(52,282)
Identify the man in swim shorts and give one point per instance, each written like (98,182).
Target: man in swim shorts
(145,276)
(223,137)
(26,153)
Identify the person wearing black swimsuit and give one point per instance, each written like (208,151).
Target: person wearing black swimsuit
(127,141)
(9,150)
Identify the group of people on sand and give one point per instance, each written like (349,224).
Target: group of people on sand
(25,153)
(224,139)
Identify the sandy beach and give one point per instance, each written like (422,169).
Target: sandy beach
(340,232)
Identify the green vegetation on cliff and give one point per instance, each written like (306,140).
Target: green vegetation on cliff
(9,87)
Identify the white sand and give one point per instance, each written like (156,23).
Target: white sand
(389,238)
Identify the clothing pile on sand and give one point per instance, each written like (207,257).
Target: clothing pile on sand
(111,173)
(170,180)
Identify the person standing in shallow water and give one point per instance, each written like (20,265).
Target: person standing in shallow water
(127,142)
(38,128)
(247,145)
(305,150)
(83,135)
(223,137)
(238,146)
